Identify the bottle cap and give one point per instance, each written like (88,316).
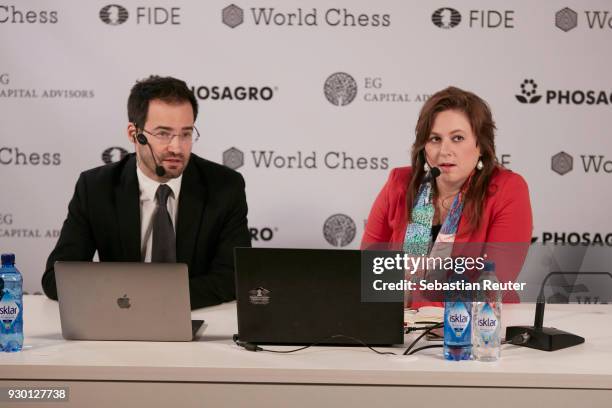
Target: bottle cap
(8,259)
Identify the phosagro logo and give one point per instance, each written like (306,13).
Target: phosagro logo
(339,230)
(529,95)
(113,154)
(232,16)
(566,19)
(233,158)
(528,92)
(562,163)
(340,89)
(575,238)
(262,234)
(446,17)
(237,93)
(114,14)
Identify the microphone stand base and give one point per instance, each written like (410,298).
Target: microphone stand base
(545,338)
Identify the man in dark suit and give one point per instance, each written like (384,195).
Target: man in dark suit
(161,204)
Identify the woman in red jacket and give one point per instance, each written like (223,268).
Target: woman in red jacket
(473,200)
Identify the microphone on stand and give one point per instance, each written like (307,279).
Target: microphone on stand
(547,338)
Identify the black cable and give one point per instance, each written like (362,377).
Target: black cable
(429,329)
(424,347)
(519,339)
(254,347)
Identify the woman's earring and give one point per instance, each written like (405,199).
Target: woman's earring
(426,167)
(479,166)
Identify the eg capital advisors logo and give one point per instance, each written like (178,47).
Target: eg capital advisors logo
(340,89)
(232,16)
(339,230)
(114,14)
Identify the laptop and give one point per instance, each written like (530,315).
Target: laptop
(305,296)
(125,301)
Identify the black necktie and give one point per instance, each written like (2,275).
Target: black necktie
(164,239)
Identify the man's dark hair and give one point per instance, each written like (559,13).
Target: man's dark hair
(167,89)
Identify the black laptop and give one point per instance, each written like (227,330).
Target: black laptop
(305,296)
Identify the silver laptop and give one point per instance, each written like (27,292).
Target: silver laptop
(125,301)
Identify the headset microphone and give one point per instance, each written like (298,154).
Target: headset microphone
(159,170)
(433,171)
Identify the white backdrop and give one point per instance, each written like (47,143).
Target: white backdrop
(65,75)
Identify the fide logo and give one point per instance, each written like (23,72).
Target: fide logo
(566,19)
(232,16)
(446,18)
(562,163)
(528,92)
(339,230)
(259,296)
(340,89)
(113,154)
(233,158)
(114,14)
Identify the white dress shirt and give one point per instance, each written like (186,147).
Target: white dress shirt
(148,188)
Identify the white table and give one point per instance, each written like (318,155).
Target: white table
(214,372)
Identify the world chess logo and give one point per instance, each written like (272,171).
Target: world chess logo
(566,19)
(528,92)
(259,296)
(233,158)
(232,16)
(446,17)
(562,163)
(340,89)
(339,230)
(113,154)
(114,14)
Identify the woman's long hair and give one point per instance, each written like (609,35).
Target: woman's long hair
(483,126)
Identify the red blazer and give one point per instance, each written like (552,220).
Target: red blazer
(506,217)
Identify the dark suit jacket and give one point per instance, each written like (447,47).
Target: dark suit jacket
(104,215)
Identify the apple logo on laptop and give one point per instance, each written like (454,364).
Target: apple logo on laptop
(124,302)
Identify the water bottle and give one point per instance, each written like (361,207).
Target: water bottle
(486,330)
(11,305)
(457,322)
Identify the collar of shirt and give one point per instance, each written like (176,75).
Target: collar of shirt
(148,186)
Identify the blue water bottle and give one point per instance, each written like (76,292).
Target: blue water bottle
(11,305)
(457,321)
